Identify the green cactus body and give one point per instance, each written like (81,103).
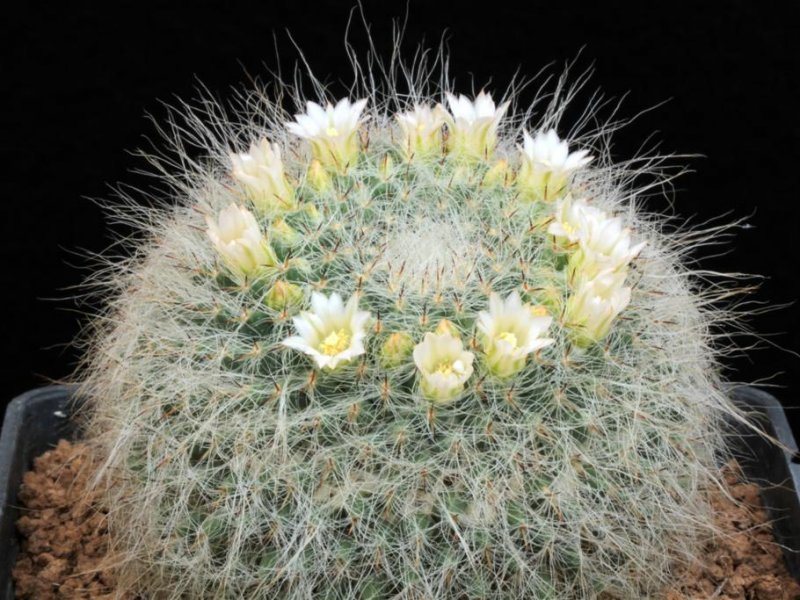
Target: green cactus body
(241,468)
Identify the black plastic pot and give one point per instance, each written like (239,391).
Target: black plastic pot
(36,420)
(33,423)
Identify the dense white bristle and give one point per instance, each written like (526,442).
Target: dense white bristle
(235,470)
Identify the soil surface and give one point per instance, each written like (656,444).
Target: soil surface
(746,563)
(64,540)
(64,535)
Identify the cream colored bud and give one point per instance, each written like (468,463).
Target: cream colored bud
(572,220)
(603,245)
(262,174)
(446,326)
(311,212)
(283,295)
(421,131)
(396,349)
(284,234)
(594,306)
(318,177)
(499,175)
(239,241)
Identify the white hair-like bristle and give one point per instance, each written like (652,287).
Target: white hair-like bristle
(233,469)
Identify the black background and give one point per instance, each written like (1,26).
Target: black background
(77,81)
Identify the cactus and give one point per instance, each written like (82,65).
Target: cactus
(388,352)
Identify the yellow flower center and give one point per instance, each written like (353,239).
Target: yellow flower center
(444,368)
(568,227)
(331,132)
(509,337)
(448,368)
(335,342)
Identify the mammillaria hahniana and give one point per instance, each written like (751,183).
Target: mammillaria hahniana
(400,347)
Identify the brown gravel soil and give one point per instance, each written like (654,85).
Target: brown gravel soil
(64,535)
(745,563)
(64,540)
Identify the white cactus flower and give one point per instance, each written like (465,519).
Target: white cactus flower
(473,124)
(240,242)
(572,217)
(548,165)
(594,306)
(444,366)
(332,132)
(422,130)
(261,172)
(510,331)
(604,245)
(332,333)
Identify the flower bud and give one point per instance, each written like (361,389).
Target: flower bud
(317,177)
(261,172)
(594,306)
(311,212)
(283,295)
(396,349)
(239,241)
(604,245)
(573,219)
(284,234)
(499,175)
(446,326)
(421,130)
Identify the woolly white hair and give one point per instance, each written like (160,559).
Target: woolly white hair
(235,469)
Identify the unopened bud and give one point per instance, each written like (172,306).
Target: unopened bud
(318,177)
(396,349)
(446,326)
(284,234)
(499,174)
(283,295)
(311,212)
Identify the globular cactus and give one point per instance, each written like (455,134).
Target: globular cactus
(401,348)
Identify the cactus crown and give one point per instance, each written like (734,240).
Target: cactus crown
(404,348)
